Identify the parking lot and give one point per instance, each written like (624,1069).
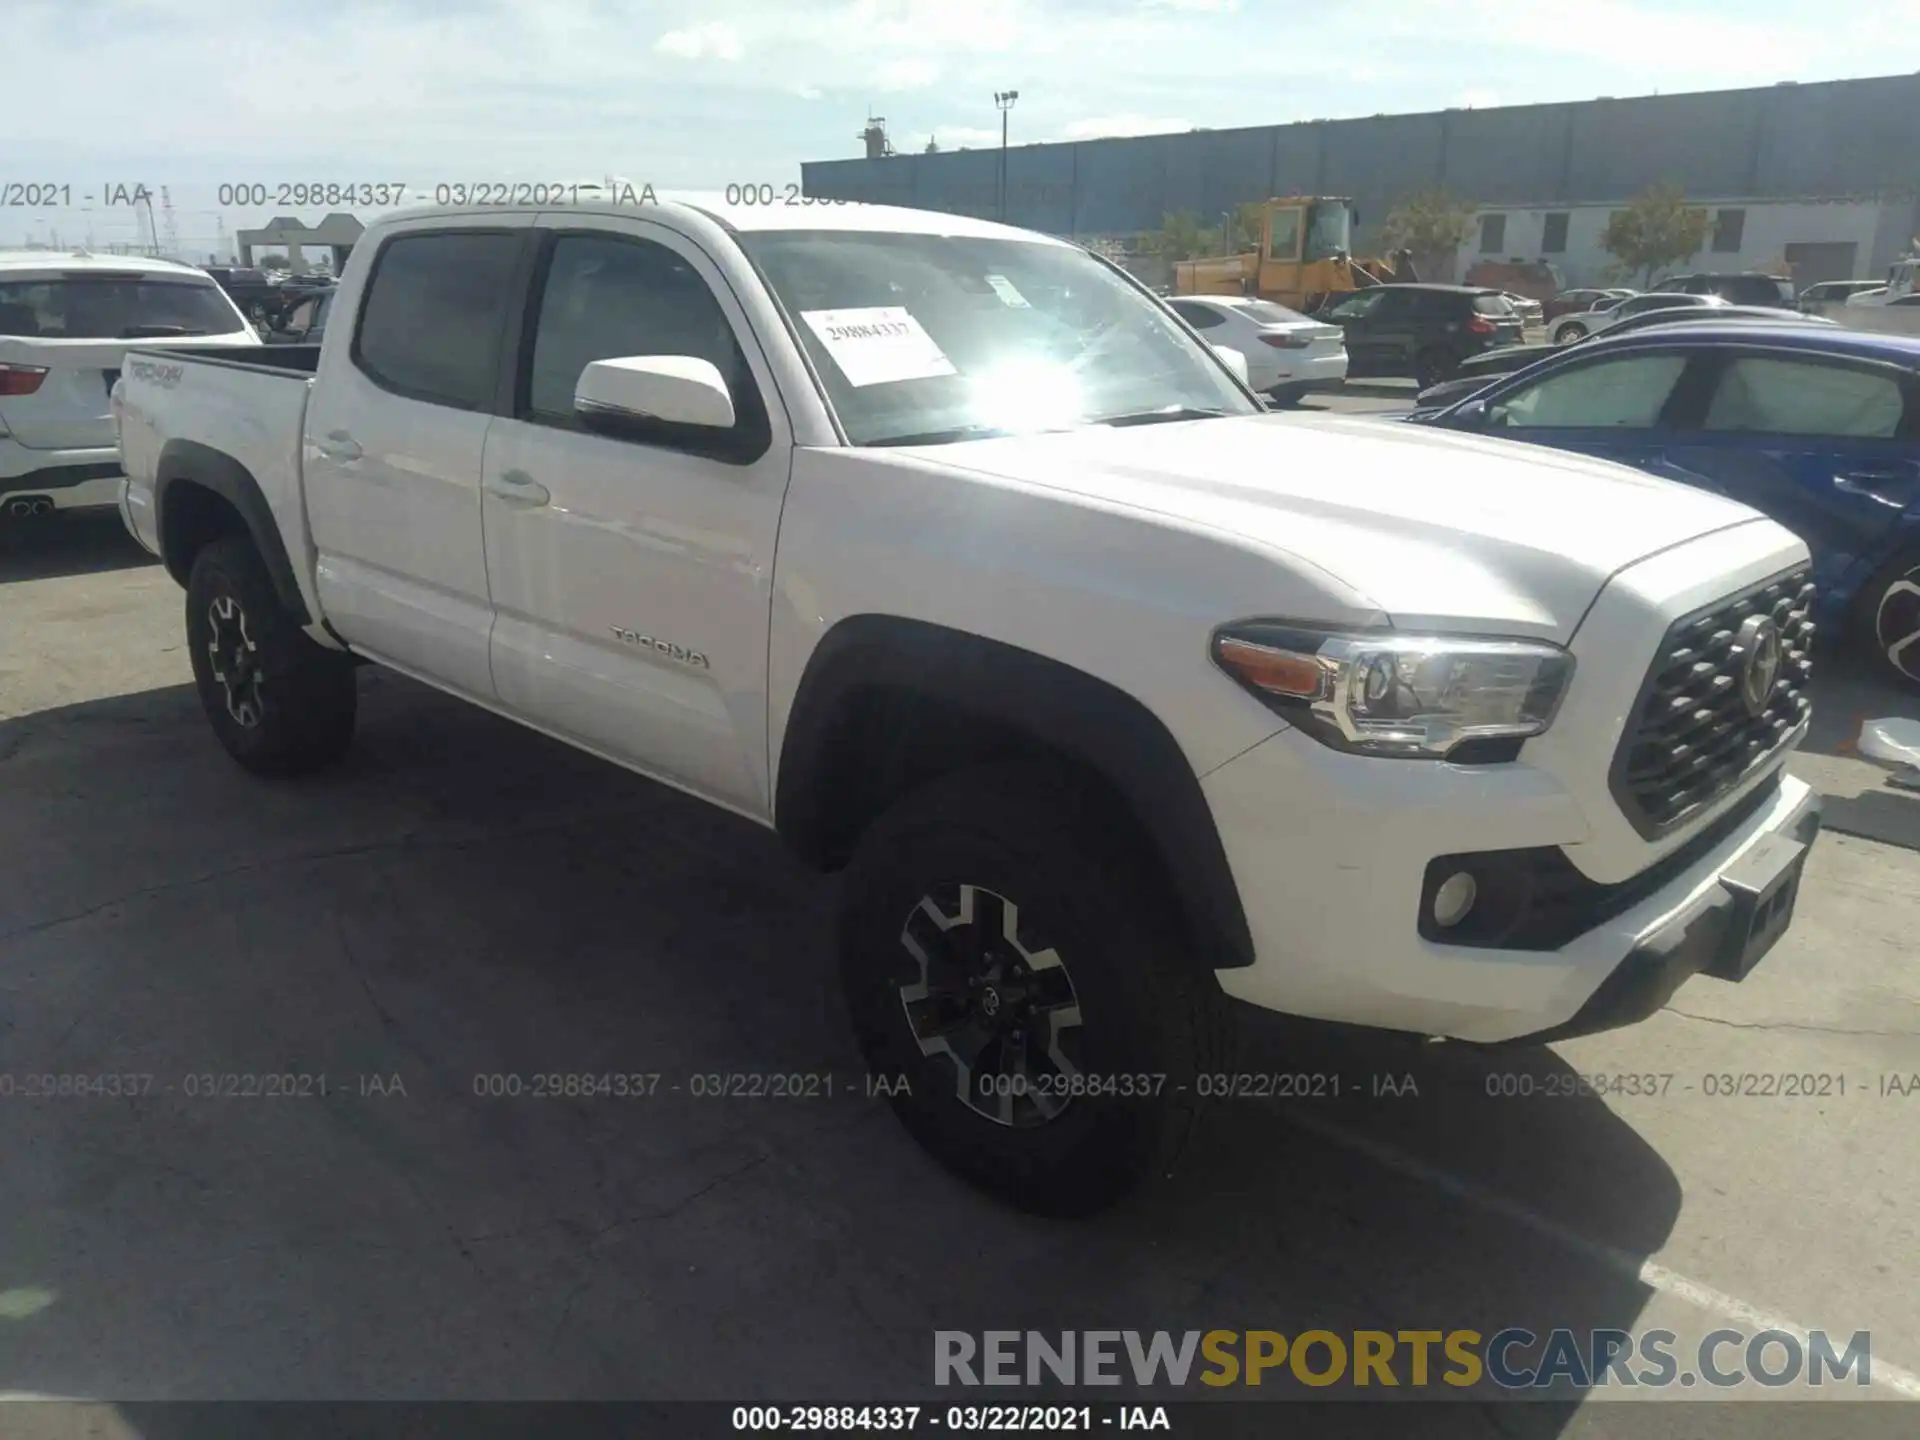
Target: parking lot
(465,899)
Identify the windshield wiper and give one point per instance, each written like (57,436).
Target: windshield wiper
(1156,417)
(944,437)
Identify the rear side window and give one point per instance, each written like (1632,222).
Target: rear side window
(115,307)
(1201,317)
(434,316)
(1265,312)
(1624,394)
(1793,397)
(1494,305)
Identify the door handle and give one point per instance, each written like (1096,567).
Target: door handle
(517,487)
(1866,482)
(339,445)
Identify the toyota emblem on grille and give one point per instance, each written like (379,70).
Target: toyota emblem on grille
(1760,652)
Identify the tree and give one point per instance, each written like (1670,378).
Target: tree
(1243,228)
(1181,236)
(1655,230)
(1432,224)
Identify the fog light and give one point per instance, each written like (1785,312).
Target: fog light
(1454,899)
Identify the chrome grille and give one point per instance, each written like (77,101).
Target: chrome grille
(1692,737)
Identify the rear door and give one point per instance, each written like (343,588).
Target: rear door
(1358,315)
(1829,446)
(63,337)
(396,429)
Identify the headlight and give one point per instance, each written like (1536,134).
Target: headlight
(1406,695)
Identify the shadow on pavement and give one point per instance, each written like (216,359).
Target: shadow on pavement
(83,543)
(463,906)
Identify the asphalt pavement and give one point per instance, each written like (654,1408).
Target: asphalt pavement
(463,900)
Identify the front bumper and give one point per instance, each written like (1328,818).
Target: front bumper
(1329,852)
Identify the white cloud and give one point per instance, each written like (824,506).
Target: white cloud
(526,89)
(911,73)
(1100,126)
(715,39)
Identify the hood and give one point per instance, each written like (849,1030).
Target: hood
(1436,529)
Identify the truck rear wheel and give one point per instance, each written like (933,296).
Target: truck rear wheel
(280,703)
(1019,989)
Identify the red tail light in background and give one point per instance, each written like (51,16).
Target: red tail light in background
(20,379)
(1480,325)
(1285,341)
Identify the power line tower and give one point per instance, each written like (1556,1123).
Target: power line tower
(220,234)
(149,242)
(172,229)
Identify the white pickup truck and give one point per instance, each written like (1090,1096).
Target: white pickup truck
(951,554)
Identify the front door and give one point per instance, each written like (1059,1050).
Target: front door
(1606,407)
(632,579)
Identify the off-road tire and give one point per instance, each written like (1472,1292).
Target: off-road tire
(1056,849)
(1889,613)
(303,708)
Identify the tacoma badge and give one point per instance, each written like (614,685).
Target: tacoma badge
(664,649)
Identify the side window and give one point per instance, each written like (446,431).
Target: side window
(434,315)
(1623,394)
(1285,243)
(608,296)
(1361,302)
(1791,397)
(1201,317)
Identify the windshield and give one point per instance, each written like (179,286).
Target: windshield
(1330,231)
(927,338)
(114,307)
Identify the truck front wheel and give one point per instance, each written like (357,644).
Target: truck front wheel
(280,703)
(1021,992)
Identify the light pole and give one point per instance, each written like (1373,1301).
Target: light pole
(1004,99)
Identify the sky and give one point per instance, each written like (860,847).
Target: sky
(701,94)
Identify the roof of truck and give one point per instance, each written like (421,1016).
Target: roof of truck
(799,213)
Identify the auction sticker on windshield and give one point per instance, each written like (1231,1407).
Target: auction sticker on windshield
(878,344)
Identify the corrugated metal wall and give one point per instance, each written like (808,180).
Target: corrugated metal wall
(1853,137)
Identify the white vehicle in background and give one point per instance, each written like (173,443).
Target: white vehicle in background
(1903,279)
(1288,354)
(1893,308)
(66,323)
(1582,323)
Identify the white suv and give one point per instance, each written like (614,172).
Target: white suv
(66,322)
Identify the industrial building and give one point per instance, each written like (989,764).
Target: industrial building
(1823,176)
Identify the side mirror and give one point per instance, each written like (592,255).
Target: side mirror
(1234,360)
(640,393)
(1471,416)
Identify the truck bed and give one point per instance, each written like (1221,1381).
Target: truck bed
(293,359)
(176,405)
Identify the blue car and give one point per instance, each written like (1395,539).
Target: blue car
(1815,426)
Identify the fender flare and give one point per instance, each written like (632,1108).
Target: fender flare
(1088,719)
(189,462)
